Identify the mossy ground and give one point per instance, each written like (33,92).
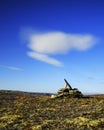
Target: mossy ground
(34,112)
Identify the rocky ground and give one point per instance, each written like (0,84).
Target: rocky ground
(25,111)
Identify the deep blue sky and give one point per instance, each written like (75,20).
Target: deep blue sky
(83,69)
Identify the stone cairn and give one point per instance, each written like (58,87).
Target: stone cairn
(67,91)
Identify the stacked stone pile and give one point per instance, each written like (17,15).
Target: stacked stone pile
(67,91)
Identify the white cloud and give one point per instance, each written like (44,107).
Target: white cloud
(14,68)
(11,68)
(44,58)
(44,44)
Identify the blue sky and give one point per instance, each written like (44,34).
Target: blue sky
(43,42)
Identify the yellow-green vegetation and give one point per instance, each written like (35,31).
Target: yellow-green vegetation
(19,111)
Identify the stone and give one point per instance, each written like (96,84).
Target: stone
(67,91)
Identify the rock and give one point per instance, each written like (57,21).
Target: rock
(53,96)
(67,91)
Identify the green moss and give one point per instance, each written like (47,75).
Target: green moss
(47,121)
(94,123)
(8,119)
(81,121)
(51,109)
(32,112)
(37,127)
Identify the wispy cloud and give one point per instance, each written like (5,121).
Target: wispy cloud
(45,58)
(43,45)
(91,78)
(11,68)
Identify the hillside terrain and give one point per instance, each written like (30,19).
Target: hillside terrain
(31,111)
